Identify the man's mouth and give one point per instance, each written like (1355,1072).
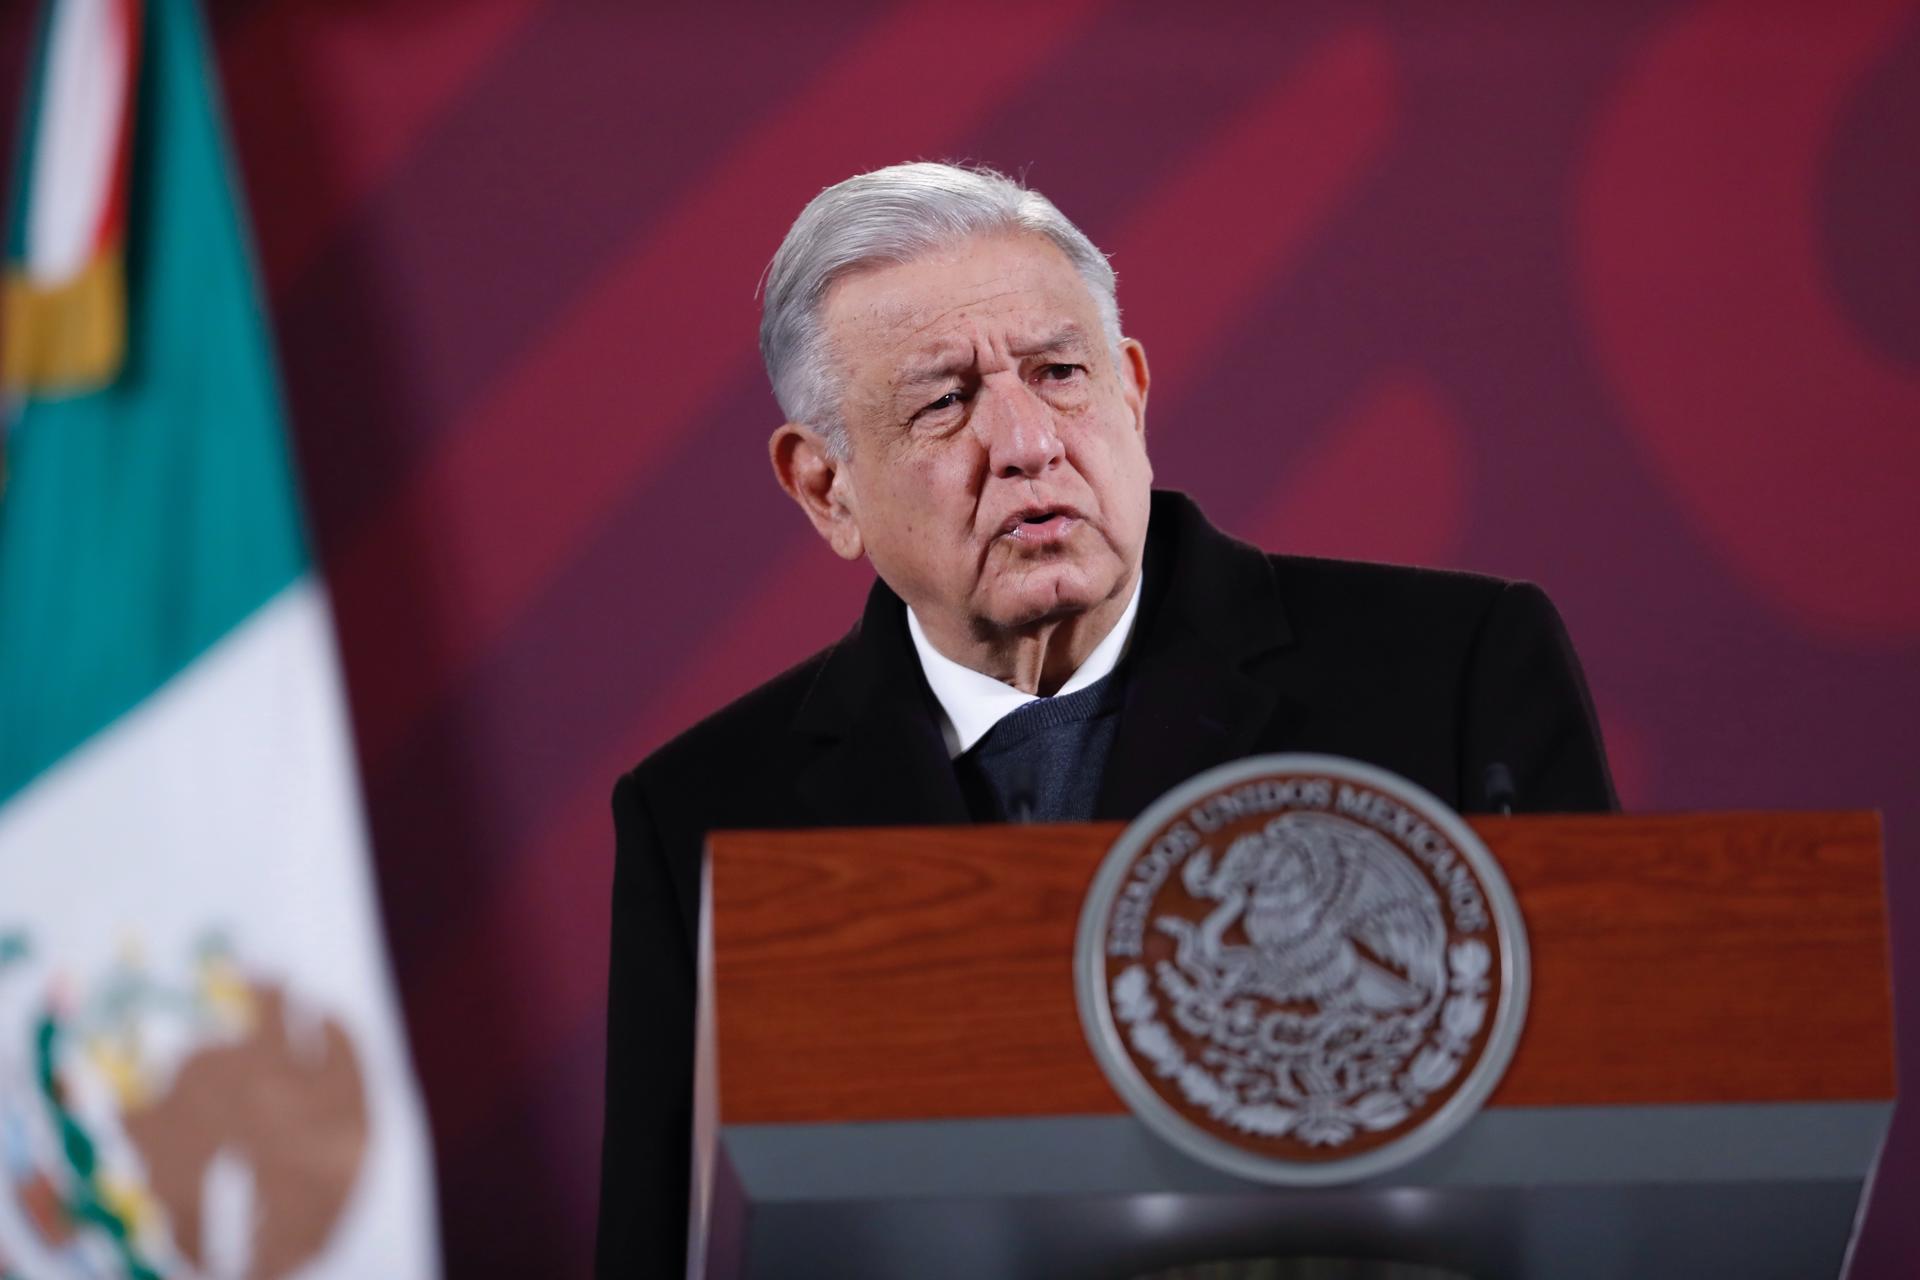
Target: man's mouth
(1040,524)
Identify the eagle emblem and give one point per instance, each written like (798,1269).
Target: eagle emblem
(1333,916)
(1302,968)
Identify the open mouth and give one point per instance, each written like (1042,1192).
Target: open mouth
(1040,522)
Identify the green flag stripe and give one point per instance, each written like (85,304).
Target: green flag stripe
(142,523)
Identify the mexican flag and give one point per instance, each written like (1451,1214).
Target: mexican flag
(202,1072)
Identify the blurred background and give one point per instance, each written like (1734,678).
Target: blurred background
(1622,298)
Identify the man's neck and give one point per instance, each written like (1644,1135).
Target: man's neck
(1040,658)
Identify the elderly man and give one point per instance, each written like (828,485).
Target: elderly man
(1048,638)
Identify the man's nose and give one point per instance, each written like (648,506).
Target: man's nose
(1018,432)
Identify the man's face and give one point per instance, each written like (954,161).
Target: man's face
(997,474)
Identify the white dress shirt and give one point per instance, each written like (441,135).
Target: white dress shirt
(972,702)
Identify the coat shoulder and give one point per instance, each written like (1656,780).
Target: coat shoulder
(736,735)
(1369,598)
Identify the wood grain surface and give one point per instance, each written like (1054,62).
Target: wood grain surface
(928,973)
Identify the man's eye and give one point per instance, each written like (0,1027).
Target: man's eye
(945,402)
(1059,372)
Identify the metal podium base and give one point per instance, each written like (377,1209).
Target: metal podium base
(1304,1269)
(1654,1193)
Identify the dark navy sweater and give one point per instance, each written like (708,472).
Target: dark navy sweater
(1043,762)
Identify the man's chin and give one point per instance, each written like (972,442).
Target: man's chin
(1051,599)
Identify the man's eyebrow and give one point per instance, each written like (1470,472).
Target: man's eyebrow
(935,368)
(941,365)
(1068,337)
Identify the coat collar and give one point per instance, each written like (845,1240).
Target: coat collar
(1210,607)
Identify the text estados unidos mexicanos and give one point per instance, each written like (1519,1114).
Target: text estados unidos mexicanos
(1127,925)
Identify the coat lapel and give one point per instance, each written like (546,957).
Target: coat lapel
(1212,610)
(880,760)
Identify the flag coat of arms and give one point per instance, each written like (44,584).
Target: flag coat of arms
(202,1072)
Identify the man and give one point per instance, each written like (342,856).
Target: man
(1048,639)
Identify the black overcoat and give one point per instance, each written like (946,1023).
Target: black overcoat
(1433,675)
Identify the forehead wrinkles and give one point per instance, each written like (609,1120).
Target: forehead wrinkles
(885,325)
(918,295)
(912,330)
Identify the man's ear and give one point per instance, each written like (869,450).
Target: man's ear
(818,481)
(1134,380)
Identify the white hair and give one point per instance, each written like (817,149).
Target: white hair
(884,218)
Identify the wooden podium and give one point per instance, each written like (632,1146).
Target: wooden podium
(894,1080)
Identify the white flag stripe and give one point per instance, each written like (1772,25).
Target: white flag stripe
(76,136)
(228,800)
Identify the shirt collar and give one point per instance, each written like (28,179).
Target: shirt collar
(972,702)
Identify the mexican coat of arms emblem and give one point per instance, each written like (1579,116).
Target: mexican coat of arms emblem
(1302,969)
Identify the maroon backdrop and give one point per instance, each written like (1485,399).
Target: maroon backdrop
(1620,297)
